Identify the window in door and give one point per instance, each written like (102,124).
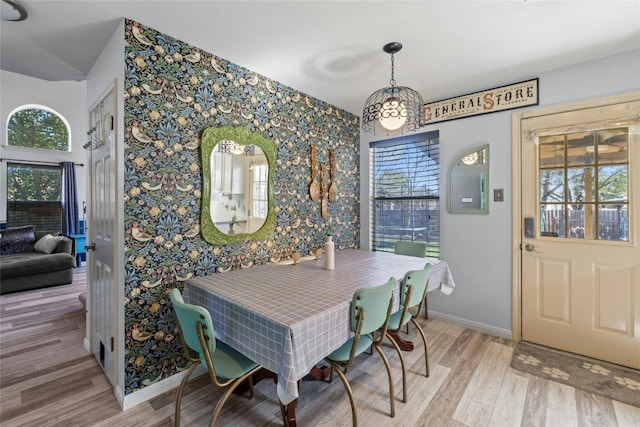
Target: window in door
(406,192)
(33,196)
(584,185)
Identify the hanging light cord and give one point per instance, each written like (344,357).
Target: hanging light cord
(392,82)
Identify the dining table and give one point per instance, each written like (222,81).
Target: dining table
(288,317)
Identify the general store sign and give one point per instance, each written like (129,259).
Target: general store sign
(487,101)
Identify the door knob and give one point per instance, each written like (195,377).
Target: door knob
(91,247)
(529,247)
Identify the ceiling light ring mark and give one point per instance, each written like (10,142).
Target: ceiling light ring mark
(10,15)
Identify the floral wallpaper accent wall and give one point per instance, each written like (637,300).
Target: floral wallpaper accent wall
(173,91)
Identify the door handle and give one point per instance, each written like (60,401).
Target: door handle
(529,247)
(91,247)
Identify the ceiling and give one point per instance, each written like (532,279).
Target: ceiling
(332,50)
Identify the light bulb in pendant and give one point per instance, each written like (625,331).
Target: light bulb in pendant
(393,113)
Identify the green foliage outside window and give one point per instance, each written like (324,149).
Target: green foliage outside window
(38,128)
(33,183)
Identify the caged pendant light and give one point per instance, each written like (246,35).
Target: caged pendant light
(393,109)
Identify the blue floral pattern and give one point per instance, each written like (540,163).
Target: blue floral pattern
(173,91)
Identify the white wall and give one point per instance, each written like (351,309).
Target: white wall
(478,247)
(66,98)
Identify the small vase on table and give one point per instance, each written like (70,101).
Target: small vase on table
(329,261)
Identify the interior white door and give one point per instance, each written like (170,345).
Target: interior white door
(102,235)
(581,244)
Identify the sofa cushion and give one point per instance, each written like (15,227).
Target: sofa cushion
(47,244)
(31,263)
(17,239)
(65,246)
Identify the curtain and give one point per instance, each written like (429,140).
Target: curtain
(70,213)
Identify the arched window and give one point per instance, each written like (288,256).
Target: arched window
(36,126)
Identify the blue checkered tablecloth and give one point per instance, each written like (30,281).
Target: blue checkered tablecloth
(287,318)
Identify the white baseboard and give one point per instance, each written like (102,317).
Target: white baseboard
(470,324)
(120,397)
(156,389)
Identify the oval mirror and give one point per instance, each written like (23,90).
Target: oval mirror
(469,182)
(237,199)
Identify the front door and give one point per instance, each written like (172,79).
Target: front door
(580,215)
(102,234)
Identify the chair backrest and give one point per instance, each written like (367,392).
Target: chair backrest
(375,301)
(189,316)
(418,280)
(417,249)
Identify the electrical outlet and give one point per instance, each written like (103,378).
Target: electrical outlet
(498,194)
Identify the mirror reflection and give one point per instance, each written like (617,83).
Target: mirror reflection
(469,182)
(237,190)
(239,174)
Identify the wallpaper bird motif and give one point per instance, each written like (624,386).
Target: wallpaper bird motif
(173,91)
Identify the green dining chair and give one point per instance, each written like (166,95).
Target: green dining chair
(370,310)
(227,367)
(417,249)
(412,290)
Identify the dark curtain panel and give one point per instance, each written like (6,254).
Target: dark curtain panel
(70,212)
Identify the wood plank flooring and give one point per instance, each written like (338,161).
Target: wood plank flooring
(48,379)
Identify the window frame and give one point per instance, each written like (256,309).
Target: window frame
(24,149)
(590,232)
(432,235)
(46,205)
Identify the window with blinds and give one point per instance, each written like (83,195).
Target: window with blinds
(33,196)
(405,184)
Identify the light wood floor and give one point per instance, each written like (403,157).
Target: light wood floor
(47,379)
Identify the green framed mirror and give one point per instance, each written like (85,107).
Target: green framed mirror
(469,182)
(238,169)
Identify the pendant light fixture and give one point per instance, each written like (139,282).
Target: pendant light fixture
(393,109)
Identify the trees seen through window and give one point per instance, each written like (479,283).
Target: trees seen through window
(38,128)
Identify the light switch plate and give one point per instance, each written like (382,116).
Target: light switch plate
(498,194)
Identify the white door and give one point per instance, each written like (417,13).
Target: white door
(580,239)
(102,234)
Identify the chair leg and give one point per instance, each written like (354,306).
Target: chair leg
(183,384)
(330,373)
(225,396)
(252,393)
(369,351)
(391,392)
(424,341)
(404,370)
(354,413)
(426,308)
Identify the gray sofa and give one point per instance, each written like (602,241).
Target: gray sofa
(32,260)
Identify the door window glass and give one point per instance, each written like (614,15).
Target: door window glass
(584,185)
